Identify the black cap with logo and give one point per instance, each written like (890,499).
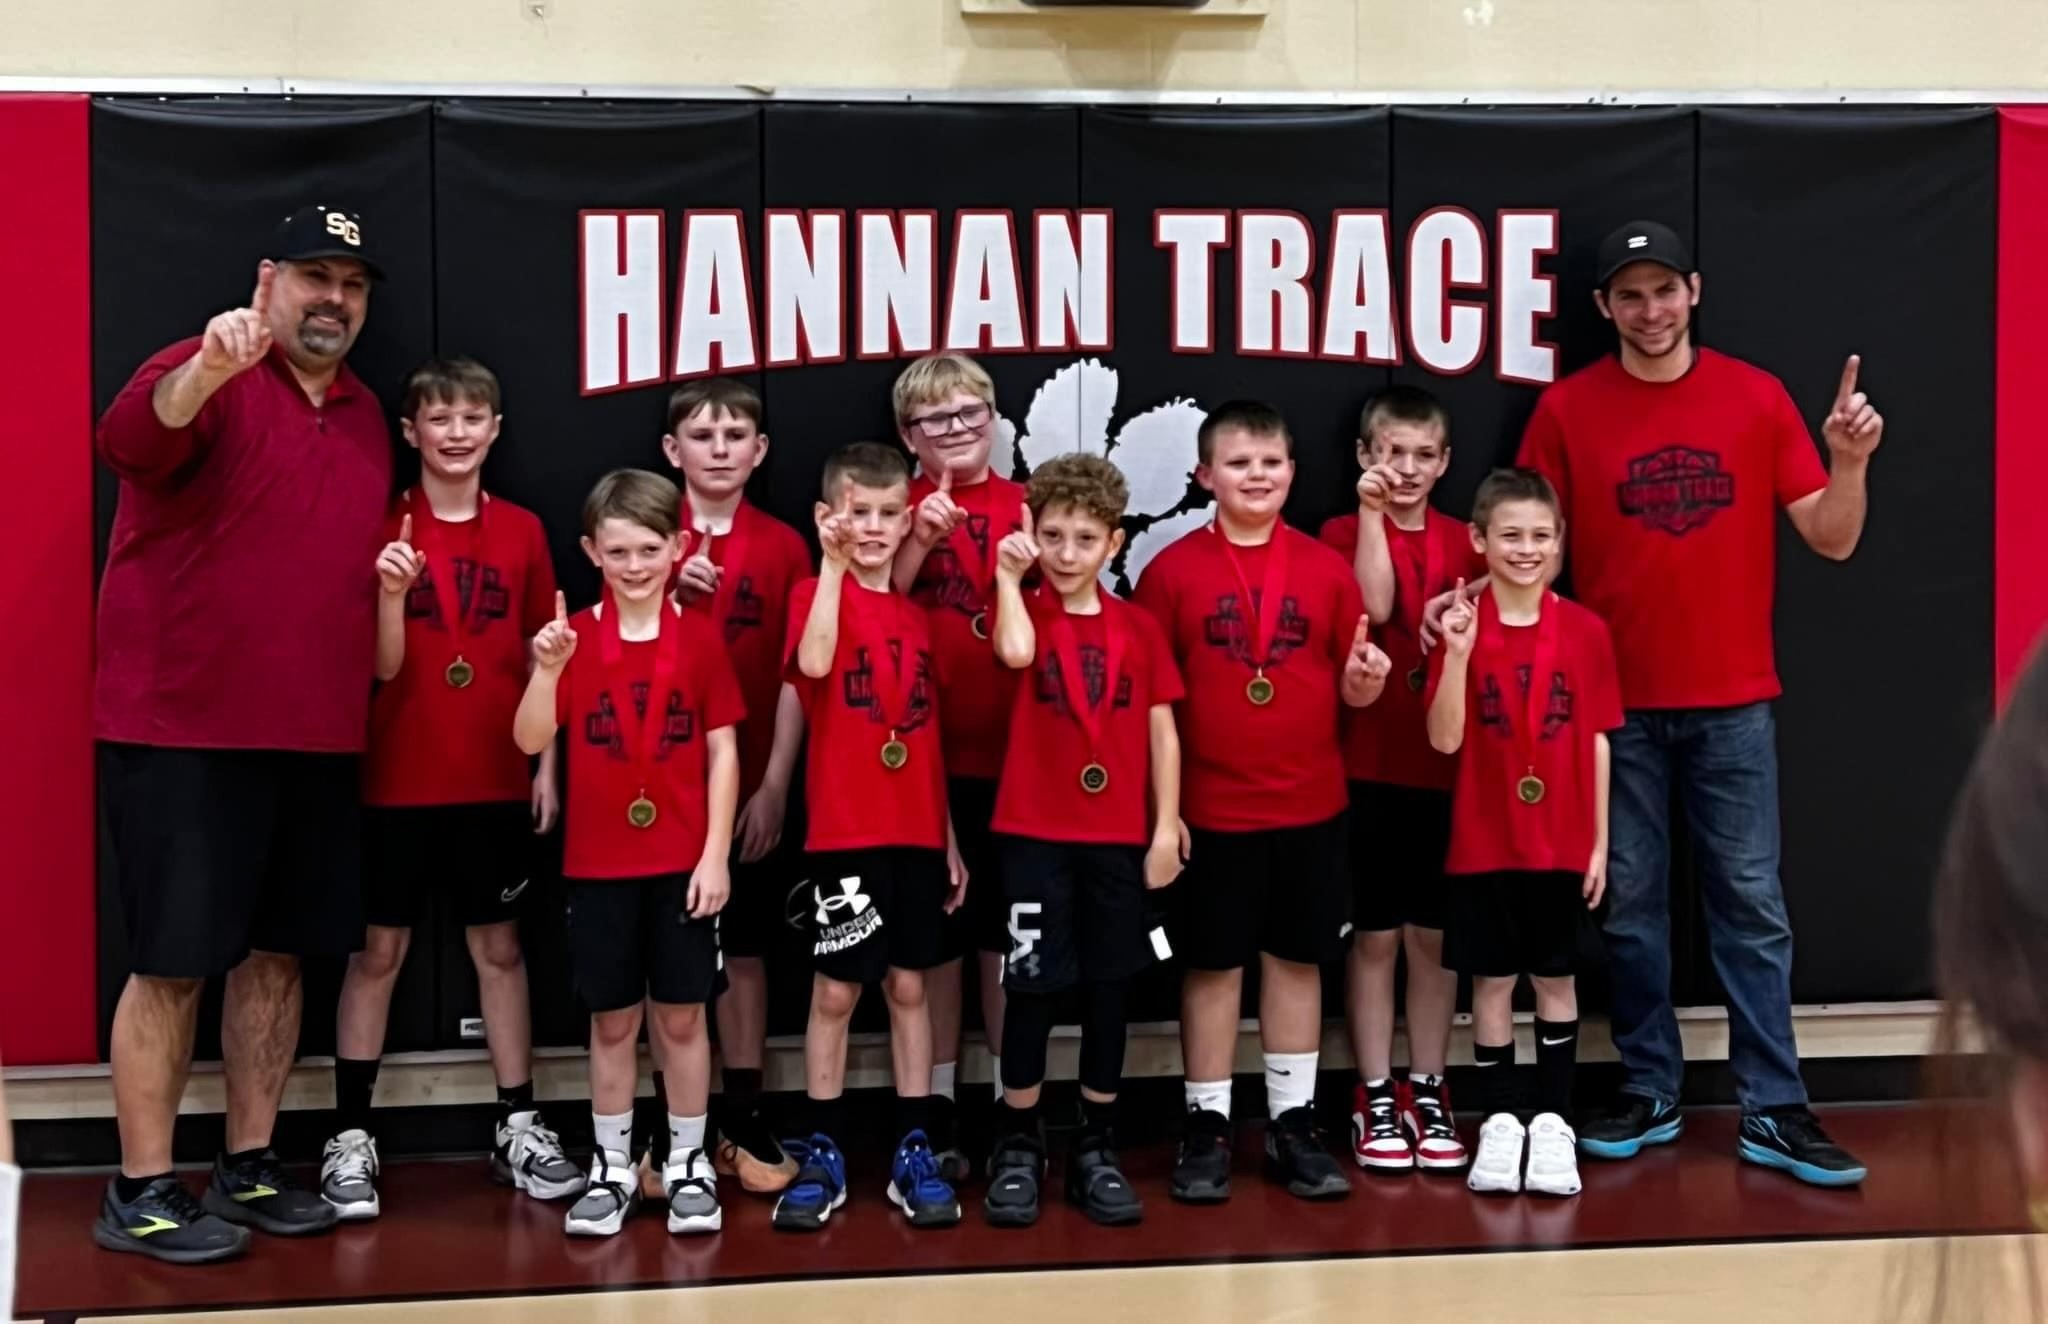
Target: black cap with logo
(322,231)
(1641,241)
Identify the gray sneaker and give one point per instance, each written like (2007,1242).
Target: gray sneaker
(692,1195)
(529,1156)
(348,1175)
(609,1200)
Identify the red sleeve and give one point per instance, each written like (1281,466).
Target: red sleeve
(1348,609)
(134,443)
(1154,593)
(1795,461)
(1543,449)
(1340,532)
(540,581)
(800,599)
(1166,685)
(718,697)
(1603,683)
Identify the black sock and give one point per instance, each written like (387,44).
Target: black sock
(828,1118)
(742,1089)
(129,1189)
(514,1099)
(1021,1121)
(913,1115)
(1496,1089)
(1557,1056)
(1097,1118)
(355,1080)
(244,1156)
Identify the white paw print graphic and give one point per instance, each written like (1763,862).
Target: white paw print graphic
(1156,450)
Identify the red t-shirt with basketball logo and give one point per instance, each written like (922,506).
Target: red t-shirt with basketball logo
(701,696)
(1671,493)
(853,800)
(1245,767)
(1389,742)
(1041,794)
(955,585)
(760,559)
(1492,829)
(432,743)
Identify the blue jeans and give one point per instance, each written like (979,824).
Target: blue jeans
(1726,763)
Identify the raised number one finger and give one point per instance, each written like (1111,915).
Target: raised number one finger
(1848,386)
(259,302)
(1029,525)
(405,529)
(561,608)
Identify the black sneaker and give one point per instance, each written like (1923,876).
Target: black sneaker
(259,1194)
(1096,1183)
(1622,1129)
(1201,1170)
(1295,1156)
(166,1223)
(945,1138)
(1792,1140)
(1015,1170)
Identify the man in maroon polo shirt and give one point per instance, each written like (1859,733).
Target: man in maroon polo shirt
(236,646)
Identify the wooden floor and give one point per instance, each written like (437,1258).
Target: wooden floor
(452,1246)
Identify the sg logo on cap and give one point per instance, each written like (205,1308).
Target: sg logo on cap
(339,225)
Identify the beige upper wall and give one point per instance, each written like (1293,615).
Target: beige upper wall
(1312,45)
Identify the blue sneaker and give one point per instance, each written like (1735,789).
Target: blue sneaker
(820,1186)
(916,1187)
(1633,1121)
(1791,1140)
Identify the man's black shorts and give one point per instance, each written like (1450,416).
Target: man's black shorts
(1399,838)
(480,856)
(1284,892)
(631,938)
(981,924)
(874,909)
(217,853)
(1072,912)
(1519,923)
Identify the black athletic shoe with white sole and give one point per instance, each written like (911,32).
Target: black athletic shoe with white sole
(1015,1172)
(1295,1157)
(257,1193)
(1096,1182)
(1201,1171)
(166,1223)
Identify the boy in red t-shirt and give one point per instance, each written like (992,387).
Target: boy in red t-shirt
(1091,732)
(884,874)
(1403,554)
(742,566)
(1270,632)
(1525,686)
(946,414)
(650,703)
(450,805)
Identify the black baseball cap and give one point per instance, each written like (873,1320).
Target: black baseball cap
(1641,241)
(323,231)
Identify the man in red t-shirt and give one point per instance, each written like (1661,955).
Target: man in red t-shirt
(1270,632)
(237,621)
(450,805)
(1672,462)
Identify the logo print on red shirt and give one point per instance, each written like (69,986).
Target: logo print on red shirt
(423,601)
(943,582)
(857,687)
(602,728)
(745,613)
(1052,688)
(1557,709)
(1226,629)
(1676,489)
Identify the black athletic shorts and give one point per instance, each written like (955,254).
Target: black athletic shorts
(632,938)
(874,909)
(981,923)
(481,856)
(1518,923)
(757,919)
(1399,838)
(217,853)
(1284,892)
(1073,912)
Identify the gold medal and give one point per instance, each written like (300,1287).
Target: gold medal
(1259,690)
(1530,789)
(979,625)
(459,674)
(1095,779)
(1417,679)
(641,812)
(894,753)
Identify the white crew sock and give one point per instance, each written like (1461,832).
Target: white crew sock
(995,1065)
(684,1135)
(613,1132)
(1210,1096)
(943,1074)
(1290,1082)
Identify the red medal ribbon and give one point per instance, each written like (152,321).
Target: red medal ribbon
(981,557)
(640,732)
(896,713)
(446,590)
(1528,732)
(1267,624)
(1066,649)
(731,556)
(1413,592)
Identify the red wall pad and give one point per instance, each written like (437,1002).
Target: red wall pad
(2021,588)
(47,820)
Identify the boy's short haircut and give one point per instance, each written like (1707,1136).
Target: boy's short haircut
(451,380)
(935,378)
(637,497)
(1505,485)
(1404,404)
(867,463)
(1086,483)
(1253,416)
(723,395)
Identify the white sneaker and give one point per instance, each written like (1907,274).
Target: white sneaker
(611,1197)
(1553,1157)
(1498,1168)
(528,1155)
(692,1188)
(348,1175)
